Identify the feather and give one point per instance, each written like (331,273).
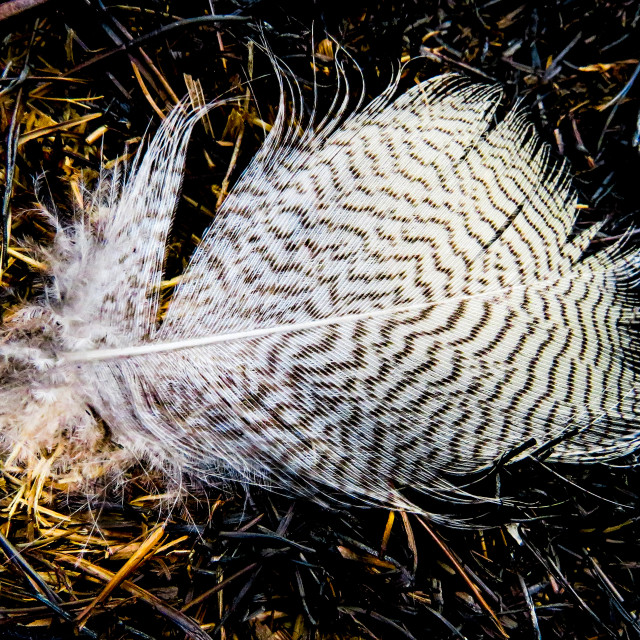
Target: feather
(393,300)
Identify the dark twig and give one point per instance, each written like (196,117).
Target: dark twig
(532,609)
(476,592)
(12,146)
(33,577)
(149,37)
(553,570)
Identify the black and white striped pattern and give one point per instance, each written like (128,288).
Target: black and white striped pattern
(387,304)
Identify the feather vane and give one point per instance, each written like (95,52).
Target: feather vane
(394,301)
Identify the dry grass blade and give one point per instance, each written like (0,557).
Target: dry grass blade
(145,91)
(224,188)
(380,618)
(554,571)
(387,533)
(54,128)
(34,264)
(616,597)
(141,554)
(411,539)
(186,624)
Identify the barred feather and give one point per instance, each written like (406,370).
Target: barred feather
(392,302)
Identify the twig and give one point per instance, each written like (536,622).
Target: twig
(476,592)
(553,570)
(137,42)
(15,557)
(221,585)
(13,139)
(440,57)
(411,539)
(531,607)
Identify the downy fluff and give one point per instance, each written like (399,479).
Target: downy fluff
(394,300)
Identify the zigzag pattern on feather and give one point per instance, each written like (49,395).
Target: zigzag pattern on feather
(387,302)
